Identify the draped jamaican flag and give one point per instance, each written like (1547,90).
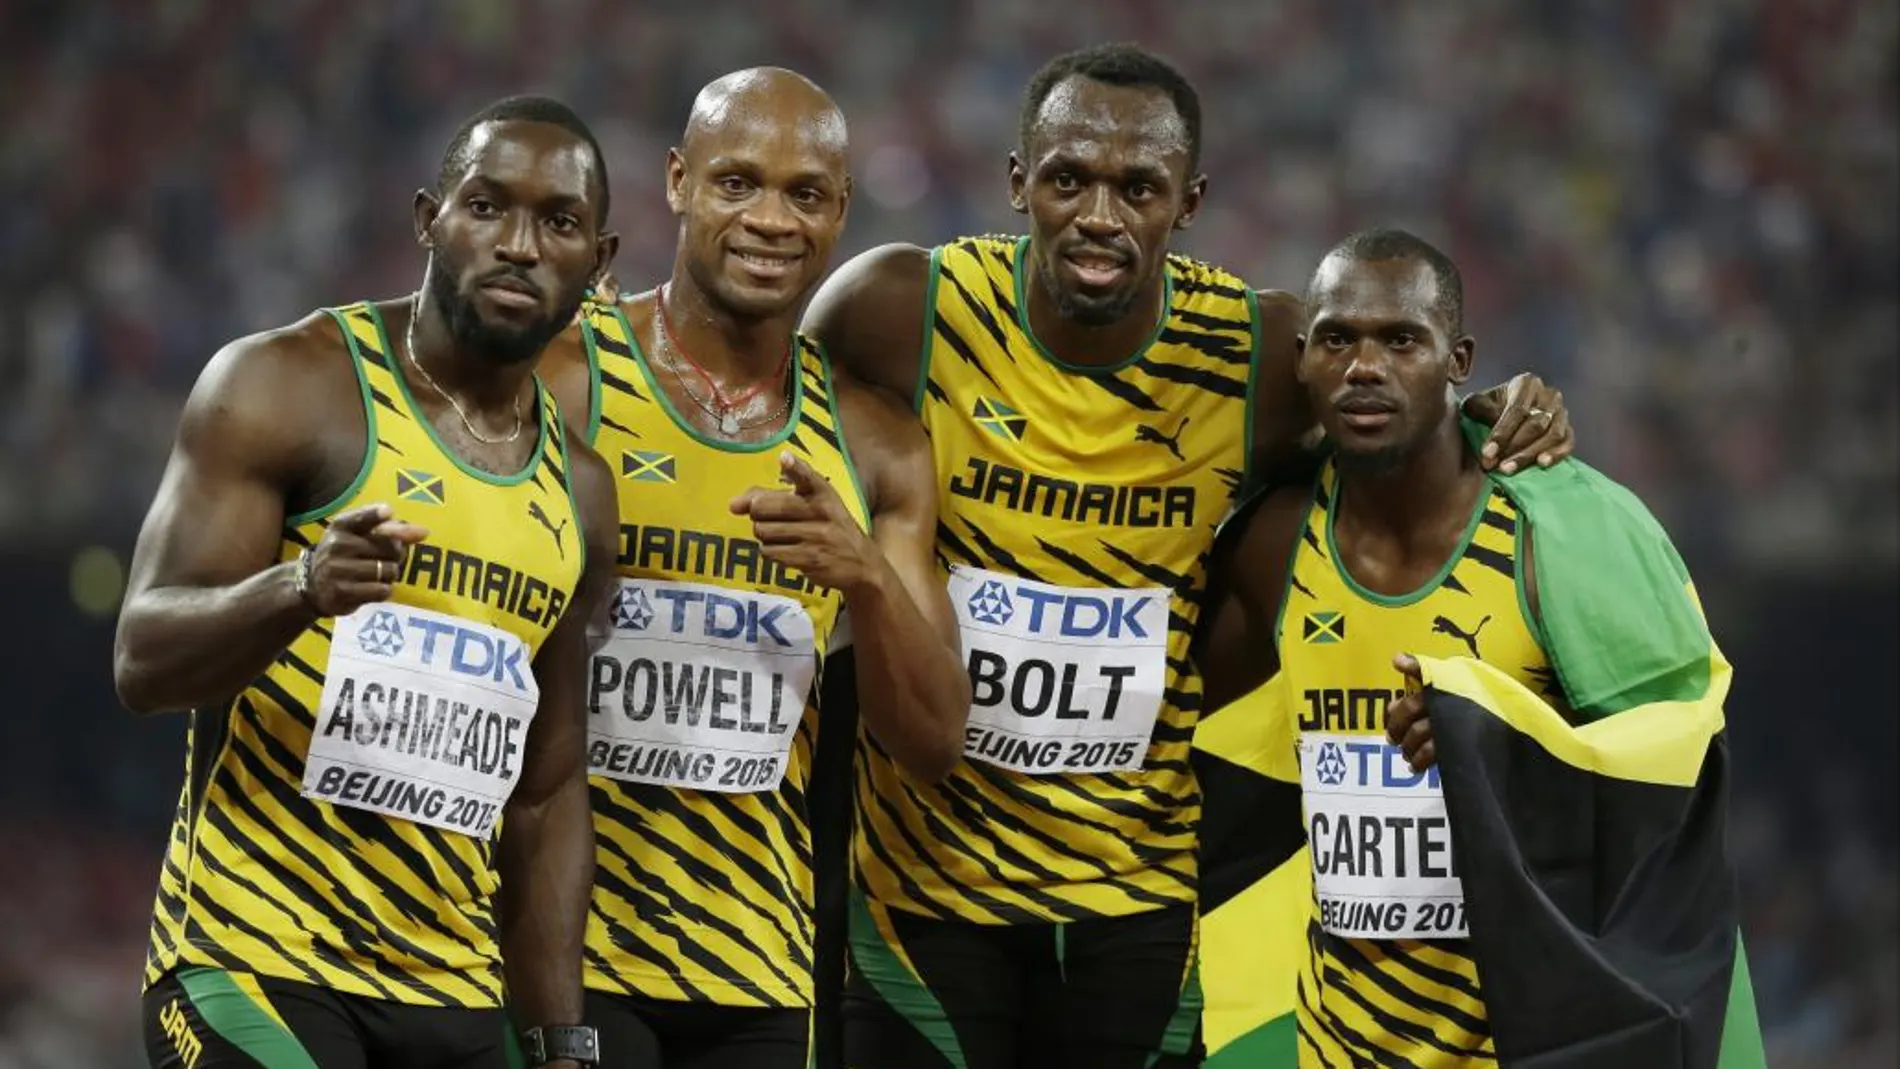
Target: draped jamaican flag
(1256,883)
(1592,845)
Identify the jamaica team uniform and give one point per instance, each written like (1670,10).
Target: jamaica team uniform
(703,719)
(333,852)
(1078,506)
(1389,979)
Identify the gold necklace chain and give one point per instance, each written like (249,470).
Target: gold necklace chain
(409,343)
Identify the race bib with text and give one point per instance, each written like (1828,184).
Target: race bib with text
(699,686)
(1383,866)
(1062,679)
(424,716)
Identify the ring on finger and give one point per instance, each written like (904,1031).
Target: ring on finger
(379,571)
(1540,416)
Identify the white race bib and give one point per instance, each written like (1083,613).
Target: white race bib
(424,716)
(1383,866)
(1062,679)
(700,687)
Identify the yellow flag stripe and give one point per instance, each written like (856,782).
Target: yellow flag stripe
(1661,742)
(1262,933)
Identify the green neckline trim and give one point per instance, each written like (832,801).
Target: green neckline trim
(792,411)
(1431,585)
(1019,277)
(593,379)
(369,436)
(1253,382)
(415,413)
(930,331)
(837,428)
(1293,559)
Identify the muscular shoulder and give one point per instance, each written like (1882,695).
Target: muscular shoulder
(870,315)
(1280,314)
(276,397)
(308,353)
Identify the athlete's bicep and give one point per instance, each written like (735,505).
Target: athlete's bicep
(870,317)
(904,506)
(218,515)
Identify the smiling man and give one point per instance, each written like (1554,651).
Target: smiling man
(703,717)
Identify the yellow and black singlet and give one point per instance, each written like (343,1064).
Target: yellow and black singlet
(1077,509)
(1388,979)
(703,716)
(336,825)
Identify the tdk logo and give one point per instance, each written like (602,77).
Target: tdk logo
(632,611)
(990,604)
(382,635)
(1084,615)
(446,646)
(719,616)
(1330,766)
(1369,763)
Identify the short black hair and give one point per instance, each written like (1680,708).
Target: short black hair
(1387,243)
(525,109)
(1117,64)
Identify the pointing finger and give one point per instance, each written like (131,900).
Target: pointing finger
(399,531)
(803,478)
(362,520)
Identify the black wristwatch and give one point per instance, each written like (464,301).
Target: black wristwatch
(542,1045)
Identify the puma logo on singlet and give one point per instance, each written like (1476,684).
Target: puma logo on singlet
(535,513)
(1145,433)
(1442,625)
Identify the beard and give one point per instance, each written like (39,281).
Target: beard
(498,345)
(1088,311)
(1375,461)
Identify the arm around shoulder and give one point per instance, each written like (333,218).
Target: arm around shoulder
(1236,648)
(870,316)
(914,690)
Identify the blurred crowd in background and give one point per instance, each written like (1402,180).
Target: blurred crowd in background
(1682,213)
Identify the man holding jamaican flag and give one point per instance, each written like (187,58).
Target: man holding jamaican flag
(1502,710)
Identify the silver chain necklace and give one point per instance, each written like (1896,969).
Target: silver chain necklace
(729,424)
(409,343)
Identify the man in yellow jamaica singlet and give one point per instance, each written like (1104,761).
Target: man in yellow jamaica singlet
(1524,863)
(760,494)
(369,572)
(1093,404)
